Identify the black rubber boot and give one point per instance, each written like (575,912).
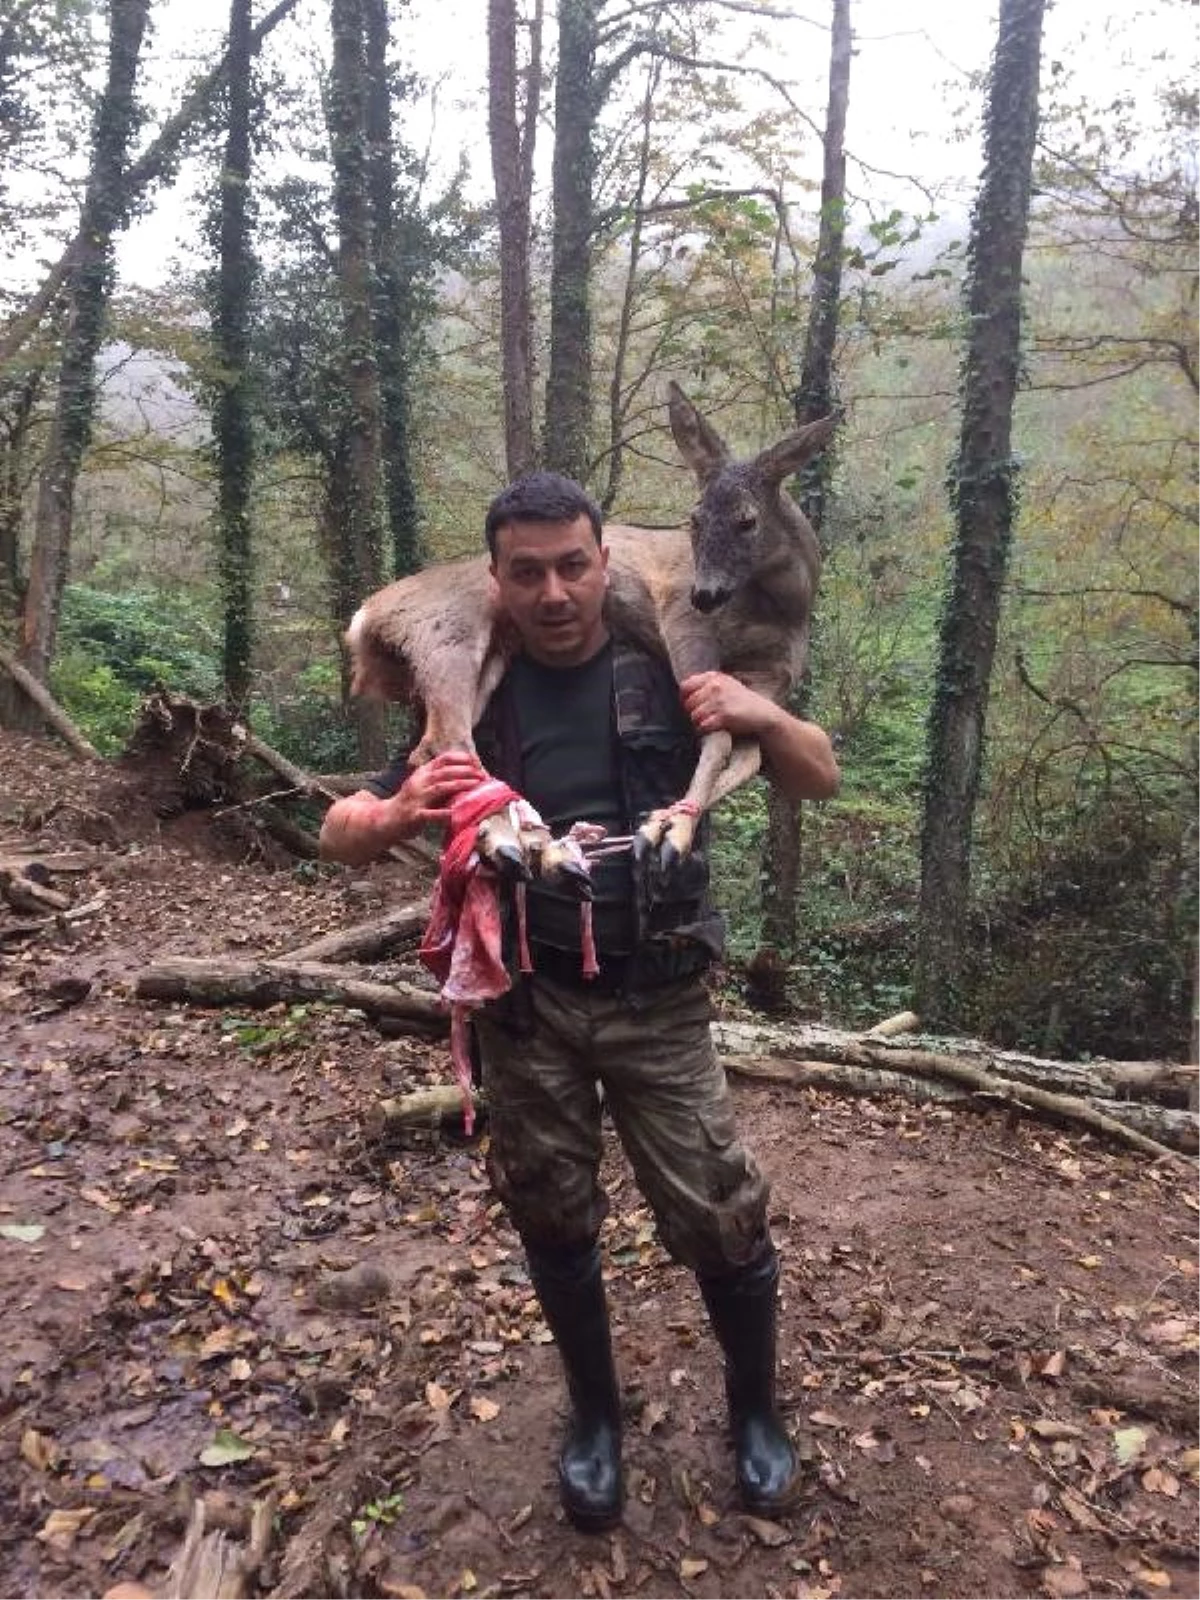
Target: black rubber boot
(742,1309)
(571,1292)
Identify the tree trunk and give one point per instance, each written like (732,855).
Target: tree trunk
(104,209)
(512,129)
(813,398)
(391,317)
(618,398)
(17,425)
(233,425)
(576,103)
(984,496)
(360,533)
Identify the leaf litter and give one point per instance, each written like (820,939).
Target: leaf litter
(240,1291)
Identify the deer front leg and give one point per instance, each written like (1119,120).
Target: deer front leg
(671,831)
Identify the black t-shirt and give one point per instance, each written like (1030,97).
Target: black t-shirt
(569,772)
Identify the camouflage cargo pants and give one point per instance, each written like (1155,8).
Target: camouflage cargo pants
(668,1099)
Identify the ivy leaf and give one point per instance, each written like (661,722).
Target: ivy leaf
(22,1232)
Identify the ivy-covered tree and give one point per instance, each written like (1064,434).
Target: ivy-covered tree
(984,491)
(813,397)
(233,423)
(104,210)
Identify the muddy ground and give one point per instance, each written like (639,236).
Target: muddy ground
(219,1282)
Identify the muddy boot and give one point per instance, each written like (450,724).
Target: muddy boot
(571,1293)
(742,1309)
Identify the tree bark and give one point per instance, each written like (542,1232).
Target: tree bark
(233,424)
(984,491)
(512,130)
(366,940)
(359,536)
(813,398)
(105,207)
(219,982)
(49,707)
(391,315)
(577,100)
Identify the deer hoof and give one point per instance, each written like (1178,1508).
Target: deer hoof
(500,846)
(667,835)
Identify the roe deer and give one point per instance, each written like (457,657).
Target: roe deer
(733,592)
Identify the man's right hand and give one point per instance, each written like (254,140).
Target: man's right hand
(428,791)
(360,827)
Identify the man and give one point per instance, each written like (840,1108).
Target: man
(590,729)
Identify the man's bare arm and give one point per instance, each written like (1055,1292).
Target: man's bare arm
(799,753)
(362,826)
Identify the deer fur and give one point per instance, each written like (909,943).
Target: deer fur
(734,592)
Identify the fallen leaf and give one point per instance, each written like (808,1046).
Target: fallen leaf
(1158,1481)
(1090,1262)
(483,1409)
(72,1284)
(1154,1577)
(97,1197)
(824,1419)
(1065,1582)
(60,1527)
(225,1449)
(38,1449)
(691,1567)
(767,1533)
(1128,1444)
(437,1398)
(22,1232)
(1049,1428)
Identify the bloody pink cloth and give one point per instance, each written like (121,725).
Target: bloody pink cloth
(462,945)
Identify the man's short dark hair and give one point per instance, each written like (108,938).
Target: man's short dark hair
(540,497)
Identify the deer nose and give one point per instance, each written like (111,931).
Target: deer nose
(707,598)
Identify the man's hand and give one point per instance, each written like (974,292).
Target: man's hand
(798,754)
(717,703)
(428,792)
(362,826)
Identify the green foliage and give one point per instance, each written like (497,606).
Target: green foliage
(114,648)
(308,723)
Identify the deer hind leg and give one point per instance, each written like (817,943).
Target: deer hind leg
(518,849)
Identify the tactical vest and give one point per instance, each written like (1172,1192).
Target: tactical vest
(679,932)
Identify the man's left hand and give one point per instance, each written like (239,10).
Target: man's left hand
(717,703)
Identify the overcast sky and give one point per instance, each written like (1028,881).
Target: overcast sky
(909,80)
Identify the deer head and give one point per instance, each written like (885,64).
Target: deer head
(744,518)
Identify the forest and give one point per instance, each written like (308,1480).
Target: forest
(199,482)
(267,1329)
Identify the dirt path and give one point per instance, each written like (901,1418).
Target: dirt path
(215,1283)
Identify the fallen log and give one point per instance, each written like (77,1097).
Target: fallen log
(423,1107)
(212,1564)
(302,781)
(25,893)
(49,707)
(869,1081)
(365,940)
(220,982)
(1164,1080)
(1177,1131)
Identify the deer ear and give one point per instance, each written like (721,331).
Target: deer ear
(700,445)
(782,459)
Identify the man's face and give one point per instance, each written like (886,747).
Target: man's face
(551,579)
